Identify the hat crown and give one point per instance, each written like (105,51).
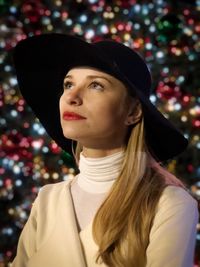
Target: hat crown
(129,64)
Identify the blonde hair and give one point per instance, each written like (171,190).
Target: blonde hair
(122,224)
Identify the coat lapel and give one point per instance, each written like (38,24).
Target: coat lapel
(63,246)
(76,248)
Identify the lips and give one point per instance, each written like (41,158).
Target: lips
(70,116)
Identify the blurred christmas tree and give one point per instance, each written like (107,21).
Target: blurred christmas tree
(167,33)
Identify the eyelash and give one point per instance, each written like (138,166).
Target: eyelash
(66,84)
(94,82)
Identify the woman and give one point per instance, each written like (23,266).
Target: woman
(123,208)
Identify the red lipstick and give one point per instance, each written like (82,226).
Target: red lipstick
(72,116)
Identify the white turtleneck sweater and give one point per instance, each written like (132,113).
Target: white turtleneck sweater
(91,185)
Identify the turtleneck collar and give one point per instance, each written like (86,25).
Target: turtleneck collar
(98,174)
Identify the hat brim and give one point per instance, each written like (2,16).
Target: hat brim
(41,62)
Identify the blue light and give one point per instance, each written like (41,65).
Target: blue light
(136,26)
(5,161)
(89,34)
(159,54)
(45,149)
(13,81)
(2,121)
(46,21)
(56,14)
(166,70)
(16,169)
(83,18)
(160,2)
(7,231)
(21,164)
(2,44)
(93,1)
(152,28)
(125,11)
(153,98)
(104,29)
(68,22)
(137,8)
(60,161)
(148,46)
(147,21)
(177,106)
(41,131)
(13,9)
(180,79)
(11,163)
(7,68)
(145,10)
(18,183)
(13,113)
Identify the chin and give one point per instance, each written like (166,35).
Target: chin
(71,135)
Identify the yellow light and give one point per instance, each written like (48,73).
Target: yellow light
(71,170)
(58,3)
(11,211)
(37,166)
(192,112)
(184,118)
(37,159)
(196,138)
(46,175)
(113,30)
(170,107)
(111,15)
(8,99)
(116,9)
(127,36)
(55,175)
(105,15)
(178,52)
(49,27)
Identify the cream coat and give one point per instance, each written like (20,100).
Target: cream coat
(50,237)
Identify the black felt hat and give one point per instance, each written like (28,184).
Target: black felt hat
(41,63)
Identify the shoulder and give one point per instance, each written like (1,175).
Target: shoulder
(51,192)
(178,203)
(53,188)
(173,233)
(176,195)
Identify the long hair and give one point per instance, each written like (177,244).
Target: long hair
(122,224)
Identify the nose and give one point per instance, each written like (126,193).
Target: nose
(73,97)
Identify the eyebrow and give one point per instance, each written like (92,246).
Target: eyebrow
(91,77)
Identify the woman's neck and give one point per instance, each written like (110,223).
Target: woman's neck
(100,153)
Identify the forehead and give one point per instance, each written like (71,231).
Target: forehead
(86,70)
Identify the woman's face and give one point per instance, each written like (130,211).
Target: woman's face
(94,108)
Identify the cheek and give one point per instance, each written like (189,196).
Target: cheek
(117,108)
(110,114)
(61,104)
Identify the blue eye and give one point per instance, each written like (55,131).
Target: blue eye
(67,85)
(97,85)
